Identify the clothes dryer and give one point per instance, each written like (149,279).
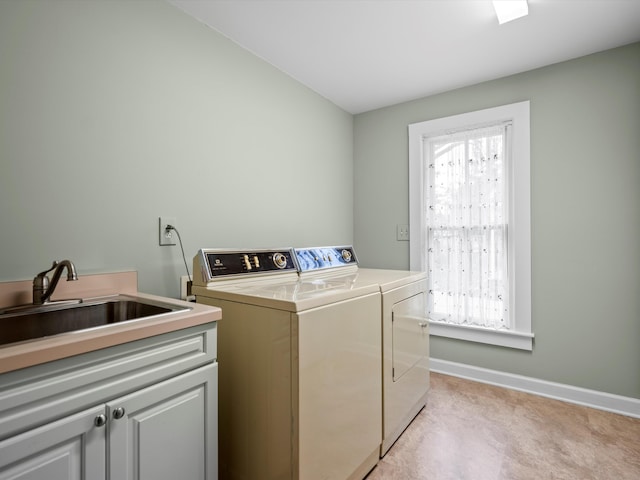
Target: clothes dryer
(405,348)
(299,360)
(405,333)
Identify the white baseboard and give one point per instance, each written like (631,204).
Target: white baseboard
(558,391)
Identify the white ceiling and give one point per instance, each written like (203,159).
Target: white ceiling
(367,54)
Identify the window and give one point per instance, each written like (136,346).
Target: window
(470,219)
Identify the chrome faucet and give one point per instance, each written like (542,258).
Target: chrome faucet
(43,289)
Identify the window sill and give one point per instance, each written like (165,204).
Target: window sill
(519,340)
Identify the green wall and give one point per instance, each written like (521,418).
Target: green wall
(113,113)
(585,197)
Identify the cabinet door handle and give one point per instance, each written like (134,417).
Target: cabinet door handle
(118,413)
(100,420)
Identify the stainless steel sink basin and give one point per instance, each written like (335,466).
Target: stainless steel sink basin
(53,319)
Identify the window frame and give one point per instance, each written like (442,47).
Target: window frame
(519,222)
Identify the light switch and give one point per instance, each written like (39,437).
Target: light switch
(402,233)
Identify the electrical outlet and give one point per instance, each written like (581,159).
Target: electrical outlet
(402,233)
(166,238)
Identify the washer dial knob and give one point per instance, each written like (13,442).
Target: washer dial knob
(346,255)
(279,260)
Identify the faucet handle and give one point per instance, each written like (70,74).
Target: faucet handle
(42,274)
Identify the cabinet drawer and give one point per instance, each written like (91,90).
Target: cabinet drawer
(40,394)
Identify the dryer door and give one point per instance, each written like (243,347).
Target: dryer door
(410,334)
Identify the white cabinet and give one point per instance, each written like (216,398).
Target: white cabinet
(164,429)
(71,448)
(161,432)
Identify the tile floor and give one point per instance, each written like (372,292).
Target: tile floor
(473,431)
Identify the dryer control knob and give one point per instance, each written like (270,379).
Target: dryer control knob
(346,255)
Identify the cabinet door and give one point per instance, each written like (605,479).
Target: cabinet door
(72,448)
(167,431)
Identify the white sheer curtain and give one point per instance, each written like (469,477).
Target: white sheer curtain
(466,208)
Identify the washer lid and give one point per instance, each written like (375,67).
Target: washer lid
(294,295)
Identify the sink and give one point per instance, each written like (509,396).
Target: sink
(53,319)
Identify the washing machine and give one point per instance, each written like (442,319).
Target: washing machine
(299,367)
(405,334)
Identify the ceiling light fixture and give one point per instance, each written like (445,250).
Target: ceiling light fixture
(508,10)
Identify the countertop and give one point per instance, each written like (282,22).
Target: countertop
(33,352)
